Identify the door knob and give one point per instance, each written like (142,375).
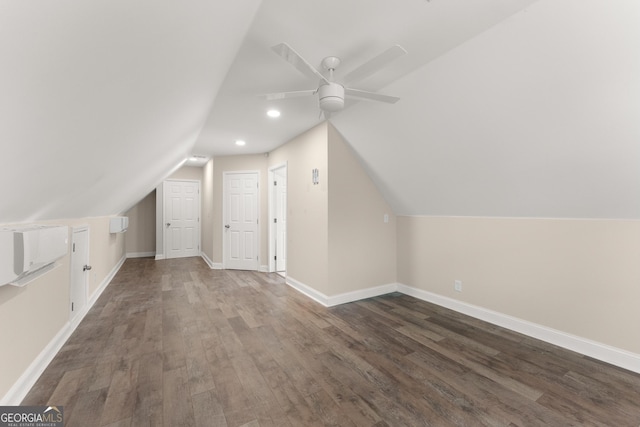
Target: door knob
(86,267)
(168,224)
(227,226)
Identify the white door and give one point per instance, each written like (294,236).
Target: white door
(79,269)
(280,218)
(241,221)
(182,218)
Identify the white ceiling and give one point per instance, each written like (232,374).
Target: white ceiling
(508,107)
(354,31)
(101,99)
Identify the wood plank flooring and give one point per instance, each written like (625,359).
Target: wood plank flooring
(173,343)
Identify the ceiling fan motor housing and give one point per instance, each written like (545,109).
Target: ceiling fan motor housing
(331,97)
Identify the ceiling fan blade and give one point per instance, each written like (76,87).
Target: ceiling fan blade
(374,65)
(294,94)
(372,96)
(293,58)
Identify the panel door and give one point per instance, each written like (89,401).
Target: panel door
(79,270)
(241,221)
(182,218)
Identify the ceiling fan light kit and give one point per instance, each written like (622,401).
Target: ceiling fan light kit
(331,97)
(331,94)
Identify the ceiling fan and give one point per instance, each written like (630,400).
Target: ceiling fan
(331,94)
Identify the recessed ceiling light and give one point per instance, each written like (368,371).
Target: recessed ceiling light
(240,142)
(273,113)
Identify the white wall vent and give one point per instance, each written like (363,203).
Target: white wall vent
(118,224)
(28,252)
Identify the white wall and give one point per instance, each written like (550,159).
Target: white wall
(38,314)
(140,238)
(536,117)
(362,247)
(580,277)
(307,207)
(208,206)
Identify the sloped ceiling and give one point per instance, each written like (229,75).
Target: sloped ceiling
(509,107)
(355,31)
(537,117)
(101,99)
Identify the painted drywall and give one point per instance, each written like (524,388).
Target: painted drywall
(140,237)
(187,172)
(40,310)
(576,276)
(536,117)
(92,89)
(207,210)
(362,246)
(253,162)
(307,207)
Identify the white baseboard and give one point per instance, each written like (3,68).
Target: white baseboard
(159,257)
(140,254)
(21,387)
(318,297)
(212,265)
(103,285)
(207,260)
(264,269)
(330,301)
(361,294)
(596,350)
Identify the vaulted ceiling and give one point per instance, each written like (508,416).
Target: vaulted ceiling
(508,107)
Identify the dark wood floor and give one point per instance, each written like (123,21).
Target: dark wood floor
(174,343)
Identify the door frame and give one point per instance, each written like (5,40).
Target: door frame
(224,242)
(76,315)
(164,215)
(272,203)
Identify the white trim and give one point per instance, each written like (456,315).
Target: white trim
(21,387)
(362,294)
(159,257)
(330,301)
(318,297)
(212,265)
(103,285)
(596,350)
(603,352)
(264,269)
(140,254)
